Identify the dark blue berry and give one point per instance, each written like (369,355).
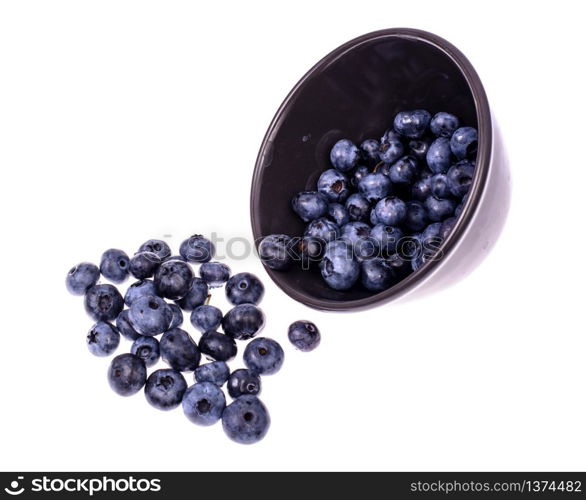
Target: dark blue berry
(176,316)
(127,374)
(141,288)
(103,339)
(404,170)
(264,356)
(304,335)
(114,265)
(246,420)
(412,124)
(179,350)
(358,207)
(339,267)
(418,148)
(206,317)
(334,186)
(215,274)
(391,211)
(218,346)
(344,155)
(444,124)
(243,321)
(144,264)
(401,267)
(439,186)
(375,186)
(386,238)
(81,278)
(416,217)
(197,248)
(150,316)
(439,156)
(370,152)
(354,231)
(156,246)
(459,178)
(243,382)
(376,274)
(391,148)
(338,214)
(276,252)
(430,237)
(165,389)
(323,229)
(464,143)
(173,279)
(216,372)
(103,302)
(310,205)
(439,209)
(147,349)
(125,327)
(244,288)
(203,403)
(195,296)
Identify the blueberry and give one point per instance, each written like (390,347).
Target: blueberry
(401,267)
(439,186)
(439,156)
(416,217)
(338,267)
(333,185)
(150,316)
(376,274)
(196,295)
(127,374)
(410,248)
(218,346)
(173,279)
(114,265)
(447,227)
(304,335)
(444,124)
(81,278)
(418,148)
(197,248)
(358,207)
(275,251)
(430,237)
(310,249)
(147,349)
(391,210)
(404,170)
(125,327)
(386,238)
(141,288)
(338,214)
(216,372)
(375,186)
(309,205)
(391,148)
(156,246)
(412,124)
(243,382)
(344,155)
(324,229)
(459,178)
(244,288)
(243,321)
(176,316)
(439,209)
(203,403)
(370,151)
(165,389)
(464,143)
(179,350)
(264,356)
(144,264)
(215,274)
(246,420)
(103,302)
(206,317)
(103,339)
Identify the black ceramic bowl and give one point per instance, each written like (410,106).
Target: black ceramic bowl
(354,92)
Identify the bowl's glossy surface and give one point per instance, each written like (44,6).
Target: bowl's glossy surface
(354,92)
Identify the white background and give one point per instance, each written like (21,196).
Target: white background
(125,120)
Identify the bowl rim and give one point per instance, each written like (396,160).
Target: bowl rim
(475,195)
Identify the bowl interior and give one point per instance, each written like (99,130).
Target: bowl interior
(354,93)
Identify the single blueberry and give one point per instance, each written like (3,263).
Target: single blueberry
(376,274)
(216,372)
(179,350)
(197,248)
(165,389)
(103,302)
(370,151)
(195,296)
(333,185)
(127,374)
(439,209)
(304,335)
(439,156)
(391,148)
(156,246)
(215,274)
(391,211)
(447,227)
(444,124)
(203,403)
(125,327)
(412,124)
(81,278)
(103,339)
(339,267)
(206,317)
(386,238)
(244,288)
(242,382)
(176,316)
(141,288)
(344,155)
(375,186)
(418,148)
(358,207)
(264,356)
(275,251)
(144,264)
(309,205)
(322,228)
(431,237)
(147,349)
(150,316)
(115,265)
(439,186)
(464,143)
(404,170)
(243,321)
(416,217)
(459,178)
(246,420)
(218,346)
(338,214)
(173,279)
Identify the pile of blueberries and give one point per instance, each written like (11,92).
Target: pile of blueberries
(385,207)
(166,287)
